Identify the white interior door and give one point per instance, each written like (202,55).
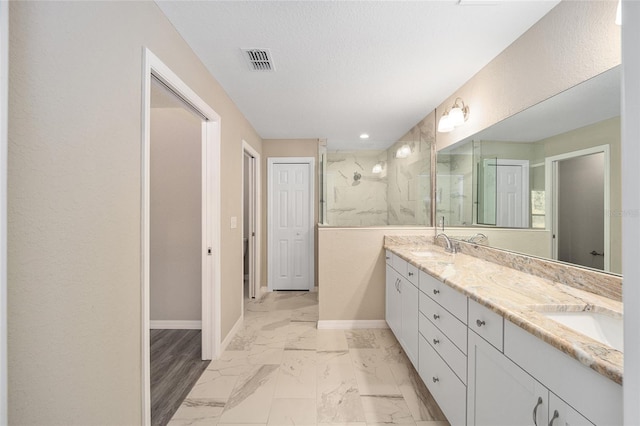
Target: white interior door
(512,194)
(291,230)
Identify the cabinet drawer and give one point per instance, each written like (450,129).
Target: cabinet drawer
(486,323)
(449,392)
(388,256)
(399,264)
(412,274)
(452,300)
(449,352)
(444,320)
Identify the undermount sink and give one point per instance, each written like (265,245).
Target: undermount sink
(604,328)
(422,253)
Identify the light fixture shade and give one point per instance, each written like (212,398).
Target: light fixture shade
(445,124)
(403,151)
(377,168)
(456,116)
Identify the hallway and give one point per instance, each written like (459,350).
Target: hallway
(281,370)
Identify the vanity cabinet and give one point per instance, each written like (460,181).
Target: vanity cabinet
(484,370)
(401,305)
(443,346)
(505,394)
(500,392)
(393,301)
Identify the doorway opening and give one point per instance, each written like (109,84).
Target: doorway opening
(251,224)
(205,202)
(291,215)
(579,195)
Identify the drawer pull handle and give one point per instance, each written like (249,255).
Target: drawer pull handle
(480,323)
(436,380)
(436,316)
(555,416)
(410,274)
(436,341)
(535,411)
(436,291)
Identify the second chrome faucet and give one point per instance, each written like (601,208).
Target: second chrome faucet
(451,247)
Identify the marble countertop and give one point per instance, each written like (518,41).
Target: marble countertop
(521,298)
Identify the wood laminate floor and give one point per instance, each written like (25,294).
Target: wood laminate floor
(176,365)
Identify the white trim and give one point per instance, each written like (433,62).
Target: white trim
(175,325)
(551,194)
(232,333)
(4,104)
(312,183)
(351,324)
(631,208)
(257,252)
(211,221)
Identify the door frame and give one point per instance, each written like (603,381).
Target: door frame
(255,220)
(291,160)
(152,65)
(4,151)
(551,197)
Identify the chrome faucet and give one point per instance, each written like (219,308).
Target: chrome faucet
(480,236)
(451,247)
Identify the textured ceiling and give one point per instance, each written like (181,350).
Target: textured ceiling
(344,68)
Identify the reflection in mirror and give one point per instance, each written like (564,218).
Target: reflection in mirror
(554,168)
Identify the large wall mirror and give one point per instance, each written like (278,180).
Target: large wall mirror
(549,175)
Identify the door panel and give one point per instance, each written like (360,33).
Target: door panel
(581,210)
(509,197)
(291,214)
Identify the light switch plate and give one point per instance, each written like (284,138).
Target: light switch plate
(234,222)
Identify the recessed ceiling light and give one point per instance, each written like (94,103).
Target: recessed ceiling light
(364,136)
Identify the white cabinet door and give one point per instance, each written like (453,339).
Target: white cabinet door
(393,302)
(409,295)
(562,414)
(499,392)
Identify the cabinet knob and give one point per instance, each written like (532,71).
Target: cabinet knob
(436,291)
(436,341)
(436,380)
(436,316)
(480,323)
(555,416)
(387,257)
(535,411)
(410,274)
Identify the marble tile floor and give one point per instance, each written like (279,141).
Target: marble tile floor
(281,370)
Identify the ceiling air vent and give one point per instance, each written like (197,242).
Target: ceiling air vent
(259,59)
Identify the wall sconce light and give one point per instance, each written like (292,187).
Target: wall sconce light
(454,116)
(377,169)
(404,151)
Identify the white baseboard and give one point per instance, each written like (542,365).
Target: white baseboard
(351,324)
(175,325)
(234,330)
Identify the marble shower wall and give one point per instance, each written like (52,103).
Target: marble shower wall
(399,195)
(409,189)
(351,202)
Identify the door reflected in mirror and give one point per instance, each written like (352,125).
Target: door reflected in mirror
(546,181)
